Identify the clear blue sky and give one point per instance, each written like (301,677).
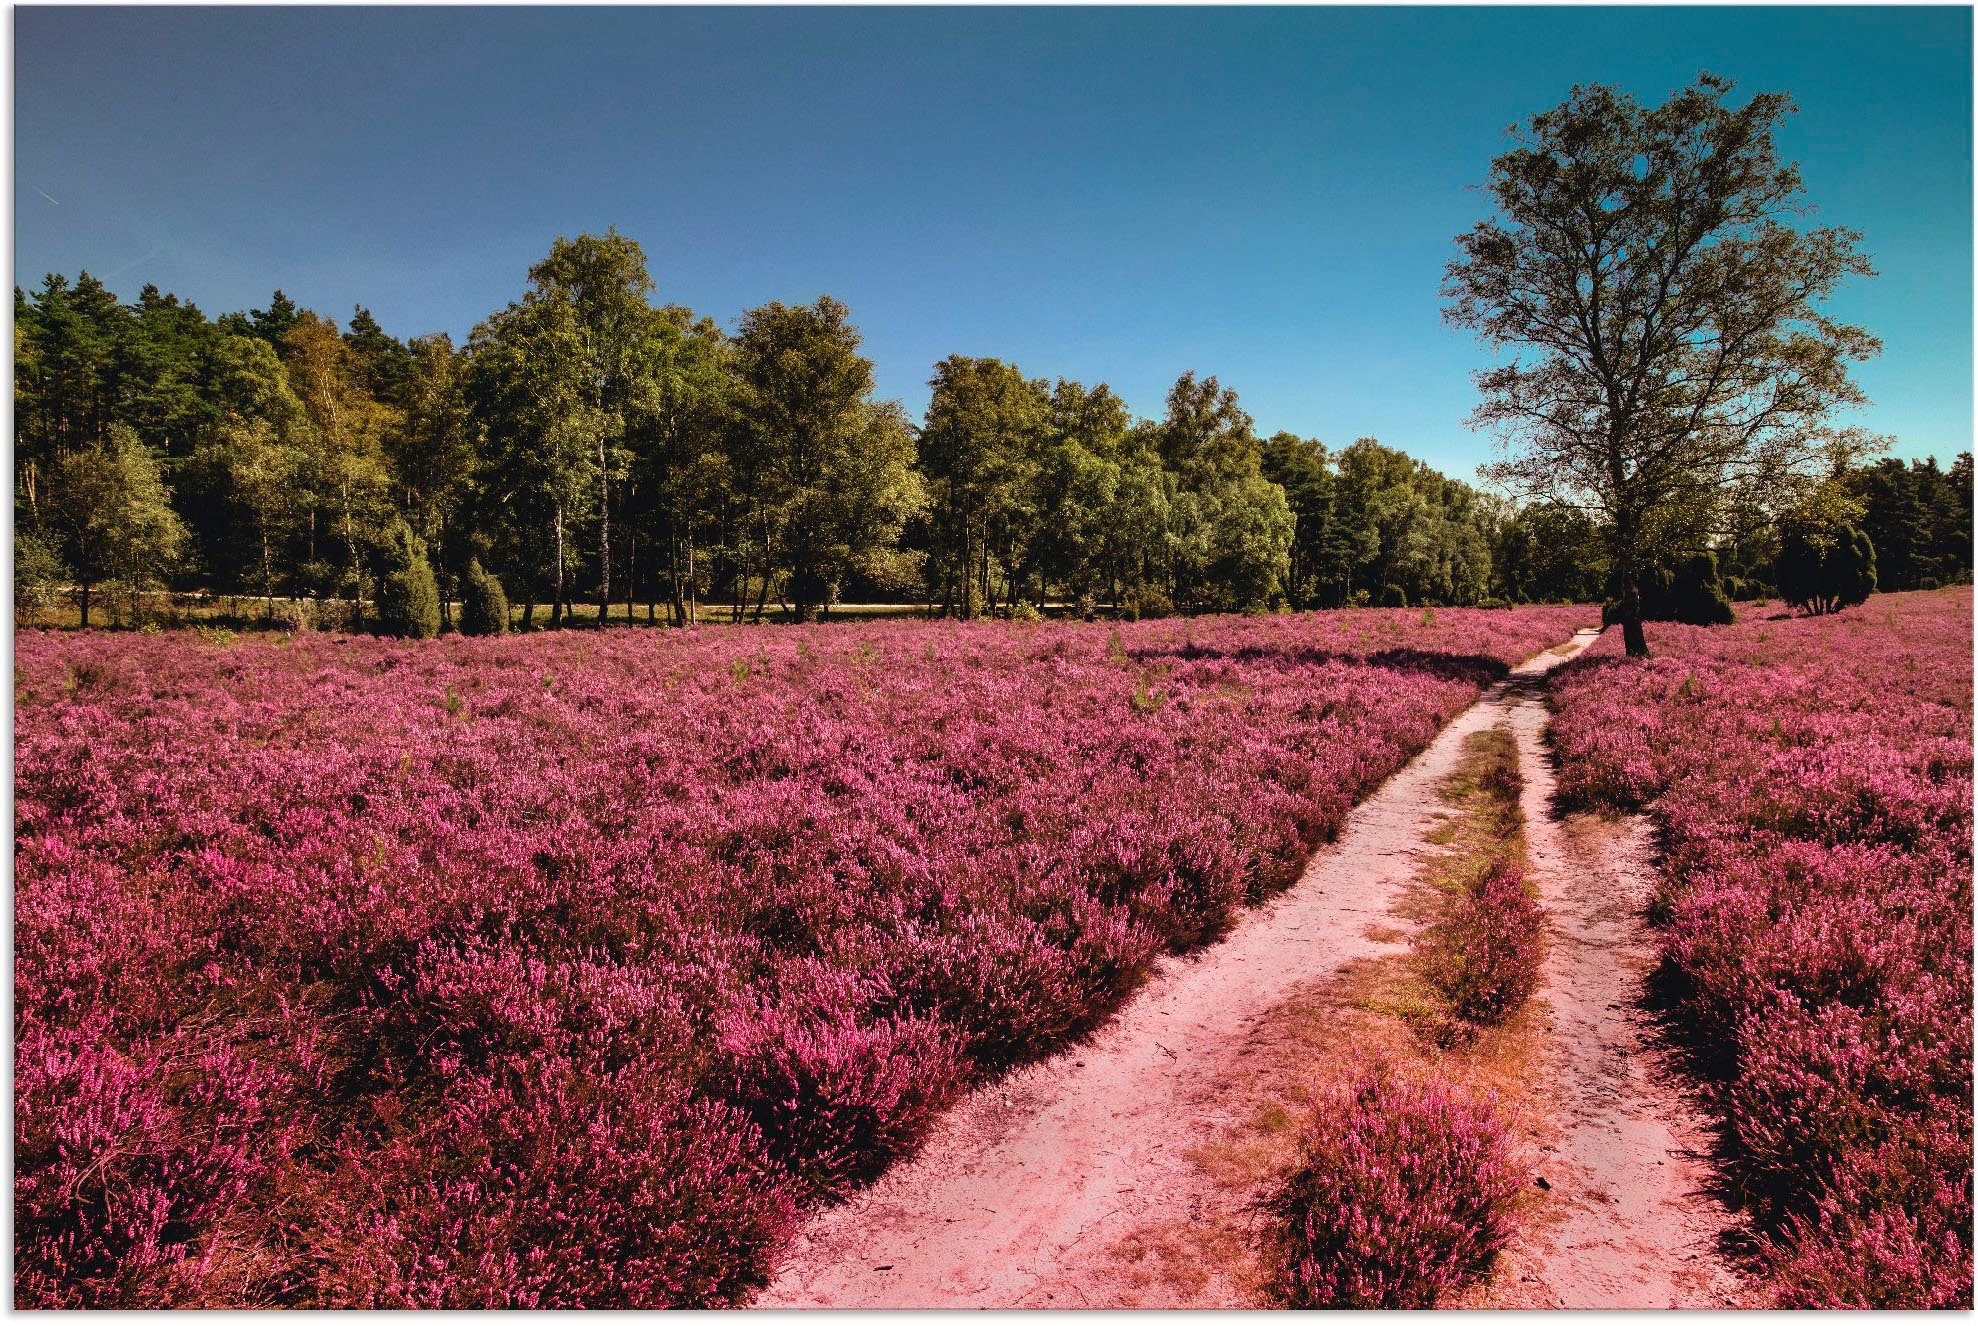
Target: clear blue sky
(1106,194)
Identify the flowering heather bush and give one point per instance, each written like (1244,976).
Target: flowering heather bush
(1402,1193)
(1483,956)
(566,970)
(1813,781)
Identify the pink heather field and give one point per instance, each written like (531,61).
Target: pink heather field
(574,969)
(1812,781)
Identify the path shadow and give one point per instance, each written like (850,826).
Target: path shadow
(1475,668)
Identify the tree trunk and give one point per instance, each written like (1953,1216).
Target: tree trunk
(350,551)
(762,590)
(84,587)
(693,583)
(631,573)
(965,608)
(1632,634)
(556,598)
(267,575)
(678,603)
(604,536)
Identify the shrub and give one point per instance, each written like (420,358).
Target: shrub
(541,1189)
(1483,957)
(1697,597)
(334,614)
(836,1101)
(1858,1252)
(1401,1194)
(295,615)
(408,603)
(483,605)
(38,578)
(1144,601)
(1692,592)
(1393,596)
(1823,571)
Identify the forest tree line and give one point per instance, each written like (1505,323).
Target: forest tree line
(587,445)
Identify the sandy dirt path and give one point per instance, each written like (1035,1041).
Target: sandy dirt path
(1630,1220)
(1024,1188)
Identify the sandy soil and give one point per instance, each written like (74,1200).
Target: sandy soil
(1028,1190)
(1629,1220)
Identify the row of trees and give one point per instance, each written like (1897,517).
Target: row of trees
(590,445)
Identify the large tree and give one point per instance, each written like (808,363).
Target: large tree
(115,514)
(1660,314)
(434,458)
(347,466)
(524,384)
(1231,528)
(601,280)
(981,449)
(828,473)
(251,463)
(680,479)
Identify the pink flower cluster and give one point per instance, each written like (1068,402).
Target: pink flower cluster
(566,970)
(1813,781)
(1484,956)
(1403,1193)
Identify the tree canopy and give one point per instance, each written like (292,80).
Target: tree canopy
(1660,315)
(592,442)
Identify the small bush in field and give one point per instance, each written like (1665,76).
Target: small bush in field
(1402,1193)
(483,605)
(408,602)
(836,1101)
(1483,956)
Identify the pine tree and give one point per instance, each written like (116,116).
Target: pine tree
(1697,596)
(484,607)
(408,603)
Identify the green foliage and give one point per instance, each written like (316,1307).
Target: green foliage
(1918,517)
(1824,570)
(115,514)
(1147,698)
(1144,601)
(408,602)
(1681,215)
(1692,593)
(38,577)
(983,449)
(483,605)
(828,472)
(1697,596)
(1393,596)
(1549,553)
(587,436)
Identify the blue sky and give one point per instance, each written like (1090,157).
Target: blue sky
(1268,195)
